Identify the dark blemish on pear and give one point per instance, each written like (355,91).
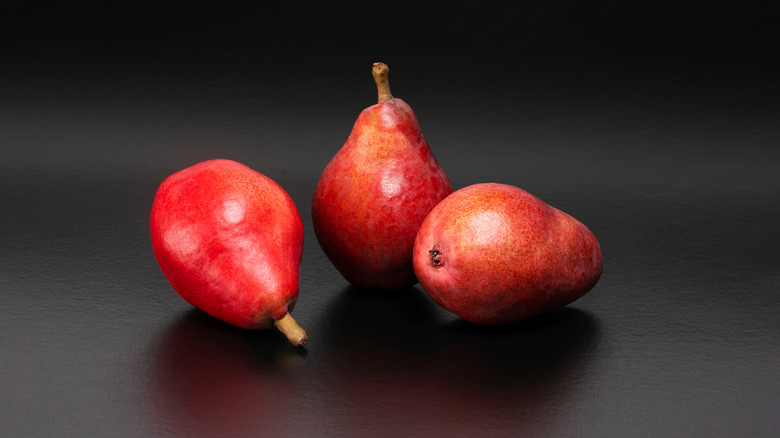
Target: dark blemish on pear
(435,257)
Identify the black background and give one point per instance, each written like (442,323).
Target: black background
(657,125)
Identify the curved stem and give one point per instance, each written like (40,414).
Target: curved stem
(380,72)
(294,333)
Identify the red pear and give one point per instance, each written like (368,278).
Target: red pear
(375,192)
(229,240)
(495,254)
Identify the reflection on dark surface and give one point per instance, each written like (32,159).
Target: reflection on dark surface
(384,361)
(208,378)
(451,374)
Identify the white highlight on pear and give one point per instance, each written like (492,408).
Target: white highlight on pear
(487,227)
(391,182)
(233,211)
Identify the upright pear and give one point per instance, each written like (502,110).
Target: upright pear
(229,240)
(373,195)
(496,254)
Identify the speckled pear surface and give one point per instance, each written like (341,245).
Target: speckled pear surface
(495,254)
(229,240)
(374,194)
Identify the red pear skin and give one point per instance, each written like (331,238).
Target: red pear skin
(375,192)
(230,241)
(495,254)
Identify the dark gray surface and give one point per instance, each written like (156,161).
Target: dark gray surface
(658,130)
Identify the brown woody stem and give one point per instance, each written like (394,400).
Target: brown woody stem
(380,72)
(294,333)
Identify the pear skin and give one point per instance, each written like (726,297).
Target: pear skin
(495,254)
(230,240)
(373,195)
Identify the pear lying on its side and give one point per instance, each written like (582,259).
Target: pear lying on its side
(495,254)
(229,239)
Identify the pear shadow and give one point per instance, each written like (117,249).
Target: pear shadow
(266,349)
(533,348)
(401,346)
(206,377)
(381,317)
(535,367)
(410,318)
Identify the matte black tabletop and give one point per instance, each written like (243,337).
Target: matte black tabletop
(658,128)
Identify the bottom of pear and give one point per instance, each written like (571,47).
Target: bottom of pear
(436,261)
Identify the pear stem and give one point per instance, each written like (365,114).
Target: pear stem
(294,333)
(380,72)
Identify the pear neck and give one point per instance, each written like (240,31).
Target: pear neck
(380,72)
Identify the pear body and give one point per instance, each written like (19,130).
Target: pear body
(373,195)
(495,254)
(229,240)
